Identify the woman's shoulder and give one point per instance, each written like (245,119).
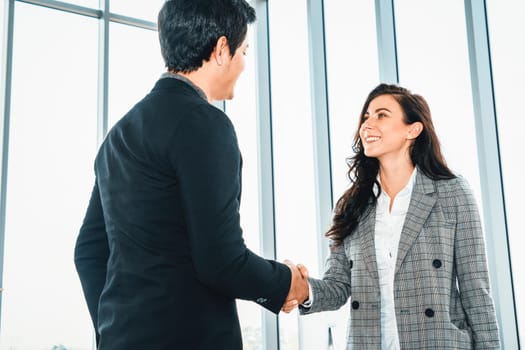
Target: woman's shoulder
(455,191)
(457,183)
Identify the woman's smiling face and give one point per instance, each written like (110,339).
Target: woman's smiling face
(383,130)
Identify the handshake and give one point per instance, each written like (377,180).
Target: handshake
(299,290)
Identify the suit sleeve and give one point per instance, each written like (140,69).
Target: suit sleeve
(472,270)
(333,290)
(207,163)
(91,254)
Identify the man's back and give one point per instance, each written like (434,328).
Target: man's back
(152,293)
(160,253)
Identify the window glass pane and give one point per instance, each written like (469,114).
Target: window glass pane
(506,28)
(3,53)
(3,28)
(352,68)
(433,62)
(147,10)
(243,113)
(135,64)
(296,228)
(85,3)
(352,64)
(52,146)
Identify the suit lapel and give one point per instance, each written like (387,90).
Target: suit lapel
(367,242)
(421,204)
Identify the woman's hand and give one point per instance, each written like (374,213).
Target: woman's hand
(291,304)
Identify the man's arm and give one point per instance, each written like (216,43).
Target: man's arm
(206,160)
(91,254)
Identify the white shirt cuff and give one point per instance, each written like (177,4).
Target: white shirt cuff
(308,302)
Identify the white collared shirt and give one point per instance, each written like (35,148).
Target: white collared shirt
(388,228)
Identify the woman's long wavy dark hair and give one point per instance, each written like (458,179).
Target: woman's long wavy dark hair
(425,153)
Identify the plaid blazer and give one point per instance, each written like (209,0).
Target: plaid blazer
(441,284)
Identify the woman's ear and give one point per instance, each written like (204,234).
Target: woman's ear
(414,130)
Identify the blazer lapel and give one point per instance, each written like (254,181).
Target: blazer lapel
(367,242)
(421,204)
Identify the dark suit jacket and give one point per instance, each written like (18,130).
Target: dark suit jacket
(160,254)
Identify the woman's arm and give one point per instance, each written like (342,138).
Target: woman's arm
(333,290)
(472,270)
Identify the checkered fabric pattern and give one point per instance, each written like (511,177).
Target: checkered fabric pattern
(441,285)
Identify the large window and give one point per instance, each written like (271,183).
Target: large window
(506,29)
(352,73)
(135,64)
(352,65)
(242,112)
(137,8)
(292,135)
(52,145)
(433,61)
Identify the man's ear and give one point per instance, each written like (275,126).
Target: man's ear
(414,130)
(221,50)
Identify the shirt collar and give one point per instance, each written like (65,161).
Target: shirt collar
(186,80)
(410,185)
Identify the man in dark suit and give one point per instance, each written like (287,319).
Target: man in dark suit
(160,253)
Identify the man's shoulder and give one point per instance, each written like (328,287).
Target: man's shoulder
(174,113)
(207,116)
(178,97)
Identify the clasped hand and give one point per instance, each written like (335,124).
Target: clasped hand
(299,291)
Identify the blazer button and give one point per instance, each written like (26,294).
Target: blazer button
(355,305)
(429,312)
(351,263)
(436,263)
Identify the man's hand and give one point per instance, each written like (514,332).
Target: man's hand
(299,291)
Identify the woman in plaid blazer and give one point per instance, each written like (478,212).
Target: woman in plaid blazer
(406,239)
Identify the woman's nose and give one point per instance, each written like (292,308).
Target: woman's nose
(366,124)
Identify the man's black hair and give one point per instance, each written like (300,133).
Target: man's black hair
(189,30)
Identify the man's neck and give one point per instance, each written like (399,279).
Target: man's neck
(198,78)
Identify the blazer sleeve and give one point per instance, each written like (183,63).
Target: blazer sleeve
(91,254)
(207,163)
(333,290)
(472,271)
